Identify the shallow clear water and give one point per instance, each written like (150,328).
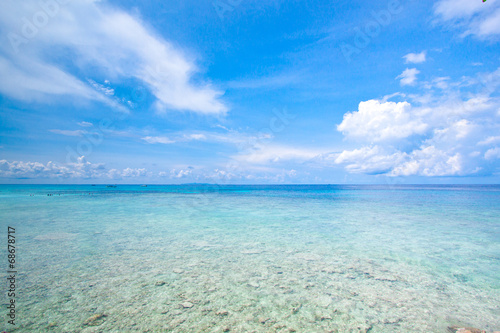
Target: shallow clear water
(254,258)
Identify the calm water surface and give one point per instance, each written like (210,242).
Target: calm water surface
(198,258)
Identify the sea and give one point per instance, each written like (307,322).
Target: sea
(260,258)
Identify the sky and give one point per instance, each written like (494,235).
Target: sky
(250,92)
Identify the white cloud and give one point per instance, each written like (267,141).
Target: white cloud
(69,133)
(85,124)
(455,131)
(490,140)
(457,9)
(129,172)
(157,139)
(196,137)
(425,161)
(263,154)
(439,82)
(369,160)
(28,79)
(80,170)
(379,121)
(477,18)
(430,162)
(475,154)
(19,169)
(180,173)
(105,90)
(253,174)
(100,39)
(492,153)
(408,77)
(450,134)
(489,26)
(242,140)
(415,58)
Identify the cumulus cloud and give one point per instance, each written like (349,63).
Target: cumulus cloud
(415,58)
(429,161)
(481,19)
(102,40)
(378,121)
(425,161)
(129,172)
(451,134)
(408,77)
(82,169)
(369,160)
(19,169)
(181,173)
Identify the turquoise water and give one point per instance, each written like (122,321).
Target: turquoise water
(253,258)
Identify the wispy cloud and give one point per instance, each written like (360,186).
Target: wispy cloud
(103,40)
(240,139)
(19,169)
(490,141)
(85,124)
(415,58)
(68,132)
(195,136)
(493,153)
(29,79)
(158,139)
(266,82)
(408,77)
(102,88)
(177,137)
(478,18)
(275,153)
(439,82)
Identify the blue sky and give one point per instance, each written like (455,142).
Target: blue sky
(242,91)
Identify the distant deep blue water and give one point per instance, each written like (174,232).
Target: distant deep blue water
(209,258)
